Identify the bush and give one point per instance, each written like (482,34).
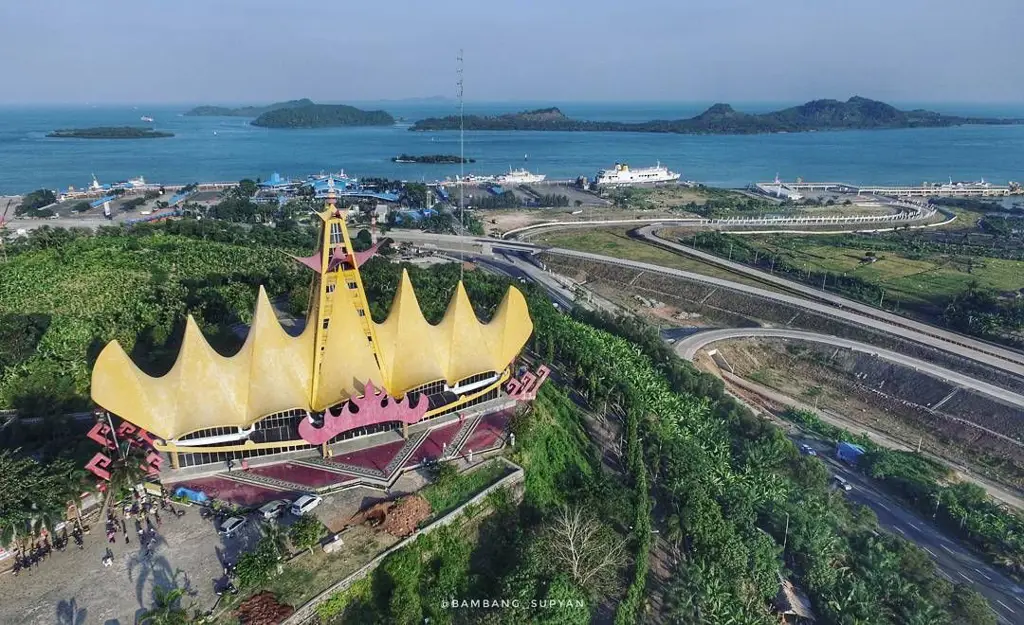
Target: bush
(256,567)
(306,532)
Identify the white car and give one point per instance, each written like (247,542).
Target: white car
(843,484)
(231,525)
(272,509)
(304,504)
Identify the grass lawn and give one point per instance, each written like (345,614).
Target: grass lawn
(929,280)
(444,496)
(616,243)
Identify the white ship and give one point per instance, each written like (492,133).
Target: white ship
(621,174)
(519,176)
(146,118)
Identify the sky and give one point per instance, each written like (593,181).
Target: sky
(252,51)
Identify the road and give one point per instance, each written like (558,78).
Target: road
(689,346)
(836,307)
(649,233)
(955,562)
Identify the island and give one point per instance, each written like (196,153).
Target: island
(109,132)
(322,116)
(857,113)
(245,111)
(433,159)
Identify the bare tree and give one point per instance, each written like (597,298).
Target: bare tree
(587,549)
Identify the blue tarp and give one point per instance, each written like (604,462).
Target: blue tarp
(191,495)
(848,452)
(181,197)
(495,189)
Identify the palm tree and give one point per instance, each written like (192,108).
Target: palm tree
(166,608)
(125,473)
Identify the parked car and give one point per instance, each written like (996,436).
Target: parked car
(304,504)
(807,450)
(273,509)
(843,484)
(232,525)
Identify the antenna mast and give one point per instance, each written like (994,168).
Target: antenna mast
(462,165)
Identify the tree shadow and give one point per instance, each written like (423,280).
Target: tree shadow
(68,613)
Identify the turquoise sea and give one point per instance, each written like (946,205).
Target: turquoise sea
(221,148)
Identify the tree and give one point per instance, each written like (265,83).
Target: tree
(967,606)
(306,532)
(246,188)
(34,201)
(33,496)
(586,549)
(257,566)
(167,609)
(415,194)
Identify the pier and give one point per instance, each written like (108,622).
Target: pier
(950,189)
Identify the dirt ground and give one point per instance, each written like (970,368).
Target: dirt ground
(188,552)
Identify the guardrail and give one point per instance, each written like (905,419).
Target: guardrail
(918,212)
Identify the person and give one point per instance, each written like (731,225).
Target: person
(108,558)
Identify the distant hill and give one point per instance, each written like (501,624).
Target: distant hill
(109,132)
(322,116)
(245,111)
(722,119)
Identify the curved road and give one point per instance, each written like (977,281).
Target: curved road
(688,347)
(649,234)
(832,306)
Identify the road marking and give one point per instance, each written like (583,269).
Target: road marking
(1019,600)
(934,555)
(983,574)
(914,525)
(900,530)
(947,548)
(960,573)
(950,579)
(1005,606)
(883,506)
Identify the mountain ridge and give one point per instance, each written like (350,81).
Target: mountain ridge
(856,113)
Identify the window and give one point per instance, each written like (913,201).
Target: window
(326,322)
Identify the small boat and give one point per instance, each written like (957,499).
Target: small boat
(147,118)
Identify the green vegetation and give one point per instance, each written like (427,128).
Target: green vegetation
(434,159)
(962,509)
(245,111)
(257,566)
(450,489)
(33,204)
(109,132)
(941,276)
(34,496)
(306,532)
(69,292)
(322,116)
(722,119)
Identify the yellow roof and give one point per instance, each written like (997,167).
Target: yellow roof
(273,371)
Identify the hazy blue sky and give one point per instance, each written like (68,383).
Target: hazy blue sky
(136,51)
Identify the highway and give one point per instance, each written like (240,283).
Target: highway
(955,562)
(649,233)
(688,347)
(834,306)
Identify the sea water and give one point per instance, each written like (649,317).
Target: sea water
(229,148)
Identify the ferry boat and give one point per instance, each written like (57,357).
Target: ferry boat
(147,118)
(519,176)
(622,174)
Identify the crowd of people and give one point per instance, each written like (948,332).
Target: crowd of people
(142,512)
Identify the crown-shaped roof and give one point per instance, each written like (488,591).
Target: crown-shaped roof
(274,371)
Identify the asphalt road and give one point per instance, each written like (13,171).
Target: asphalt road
(649,233)
(688,347)
(955,562)
(835,306)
